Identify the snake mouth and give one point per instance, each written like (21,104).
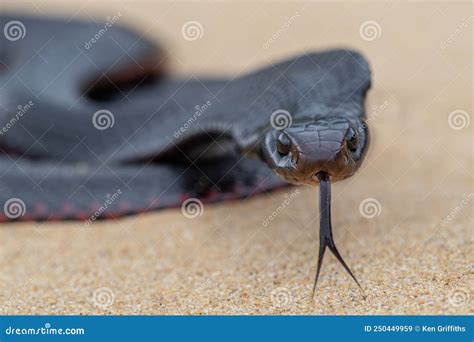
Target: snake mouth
(299,152)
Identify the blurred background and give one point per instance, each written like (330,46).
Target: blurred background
(413,255)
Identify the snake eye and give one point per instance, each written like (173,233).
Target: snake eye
(283,144)
(352,140)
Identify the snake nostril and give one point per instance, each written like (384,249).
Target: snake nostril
(283,144)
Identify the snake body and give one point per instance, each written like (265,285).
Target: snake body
(89,111)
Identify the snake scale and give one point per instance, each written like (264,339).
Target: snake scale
(85,122)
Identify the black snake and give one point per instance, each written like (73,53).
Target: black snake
(93,120)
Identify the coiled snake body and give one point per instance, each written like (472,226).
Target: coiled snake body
(88,117)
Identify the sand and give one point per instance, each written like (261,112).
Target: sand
(414,256)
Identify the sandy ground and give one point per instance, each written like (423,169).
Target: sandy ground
(413,257)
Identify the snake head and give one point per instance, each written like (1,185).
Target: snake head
(297,153)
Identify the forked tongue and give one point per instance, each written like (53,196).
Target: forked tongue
(325,228)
